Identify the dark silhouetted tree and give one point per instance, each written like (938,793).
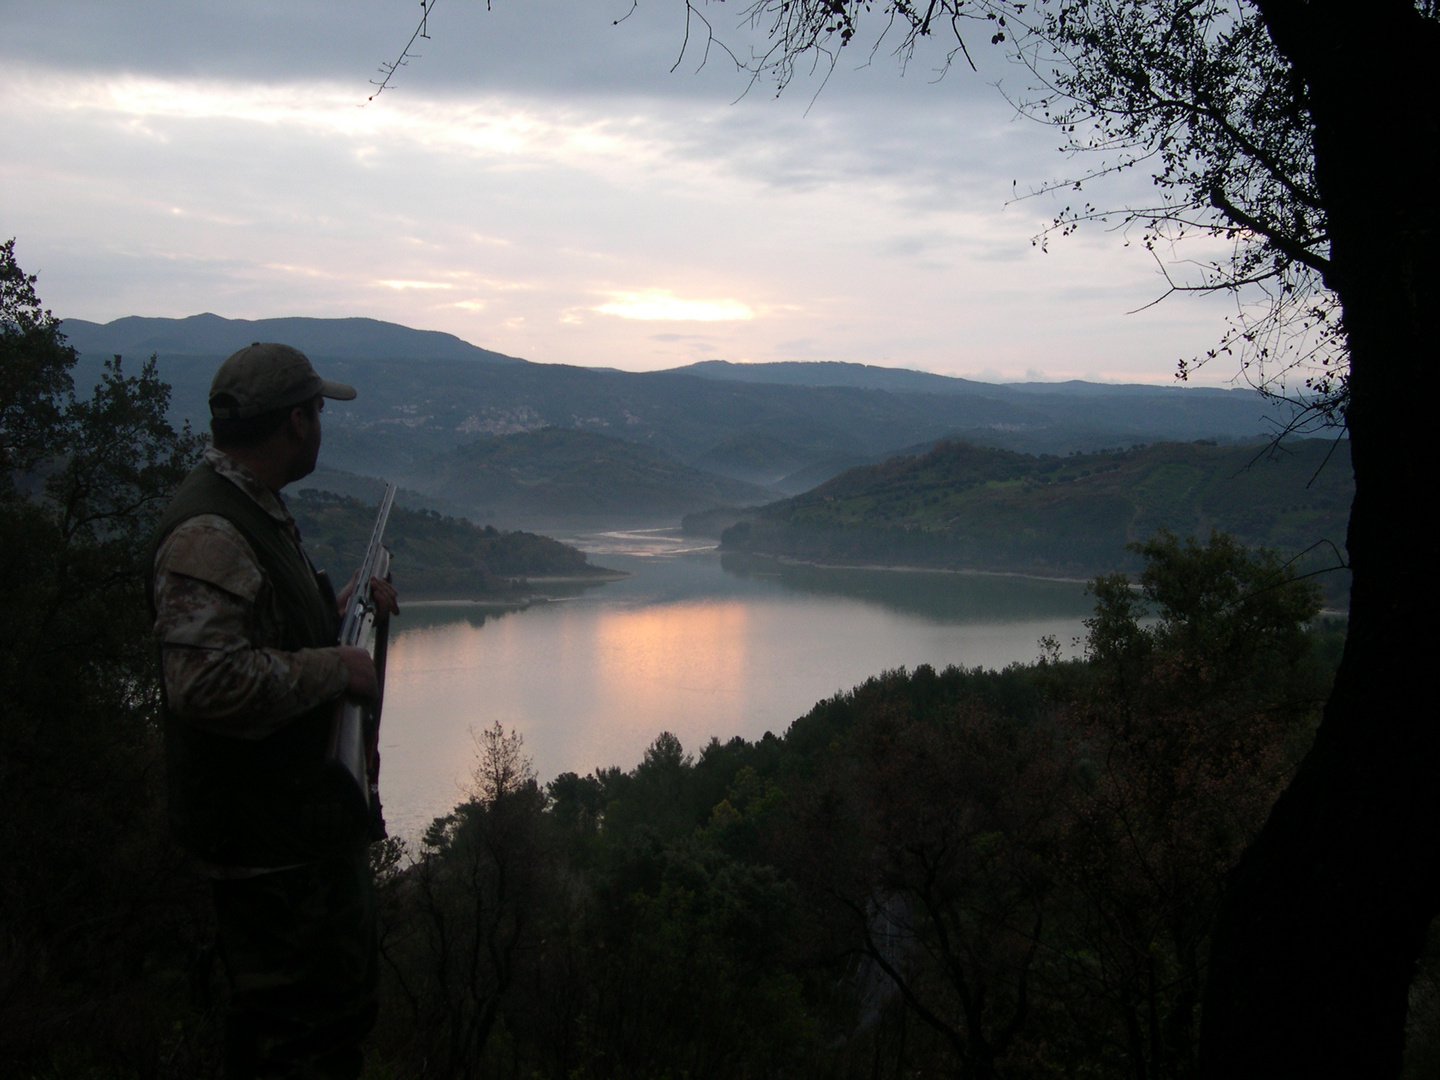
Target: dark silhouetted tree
(1296,130)
(471,910)
(96,915)
(1202,689)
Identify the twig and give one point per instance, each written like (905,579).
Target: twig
(388,69)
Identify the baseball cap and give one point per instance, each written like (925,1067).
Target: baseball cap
(266,375)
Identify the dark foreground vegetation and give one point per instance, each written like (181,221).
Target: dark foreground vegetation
(964,873)
(100,916)
(969,873)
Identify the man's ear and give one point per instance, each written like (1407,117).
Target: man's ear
(299,423)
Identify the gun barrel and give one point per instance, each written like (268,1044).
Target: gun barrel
(359,606)
(351,736)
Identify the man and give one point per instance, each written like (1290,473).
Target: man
(252,673)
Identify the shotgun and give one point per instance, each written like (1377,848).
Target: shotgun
(354,738)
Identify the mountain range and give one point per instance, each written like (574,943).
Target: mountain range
(452,420)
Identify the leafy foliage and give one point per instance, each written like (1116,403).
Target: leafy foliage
(1284,126)
(1198,96)
(35,367)
(97,921)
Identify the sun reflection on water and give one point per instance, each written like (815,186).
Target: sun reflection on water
(681,646)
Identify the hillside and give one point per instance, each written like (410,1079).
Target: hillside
(1079,412)
(757,458)
(575,479)
(212,335)
(964,507)
(423,394)
(836,373)
(435,556)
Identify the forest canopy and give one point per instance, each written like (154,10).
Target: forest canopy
(960,872)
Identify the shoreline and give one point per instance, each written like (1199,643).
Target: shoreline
(787,561)
(518,600)
(1325,612)
(511,605)
(577,579)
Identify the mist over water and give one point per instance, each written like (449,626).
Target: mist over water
(692,642)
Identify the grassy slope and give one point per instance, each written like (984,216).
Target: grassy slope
(434,556)
(961,506)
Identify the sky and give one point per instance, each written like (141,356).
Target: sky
(545,179)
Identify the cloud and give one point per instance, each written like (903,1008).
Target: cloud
(415,284)
(657,305)
(536,47)
(531,166)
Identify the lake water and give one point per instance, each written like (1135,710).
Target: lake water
(690,643)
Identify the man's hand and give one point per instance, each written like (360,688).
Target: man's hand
(382,595)
(362,682)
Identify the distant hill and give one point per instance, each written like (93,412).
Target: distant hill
(424,394)
(966,507)
(835,373)
(213,336)
(756,457)
(436,556)
(1079,415)
(906,380)
(575,479)
(813,475)
(410,410)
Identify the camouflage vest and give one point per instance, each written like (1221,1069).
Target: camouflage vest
(278,800)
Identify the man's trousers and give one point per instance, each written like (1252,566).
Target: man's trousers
(299,949)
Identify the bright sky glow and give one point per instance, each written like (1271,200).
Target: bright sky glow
(663,307)
(533,176)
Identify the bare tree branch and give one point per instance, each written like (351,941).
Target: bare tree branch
(389,68)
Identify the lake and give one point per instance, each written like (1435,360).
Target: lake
(692,643)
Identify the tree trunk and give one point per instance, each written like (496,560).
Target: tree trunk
(1326,913)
